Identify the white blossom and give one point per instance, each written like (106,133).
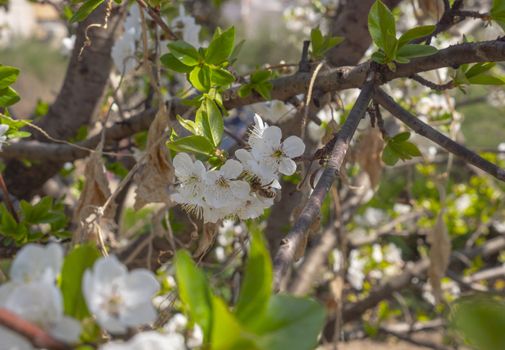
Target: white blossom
(123,52)
(377,255)
(191,176)
(222,189)
(276,154)
(3,130)
(119,299)
(42,304)
(253,206)
(149,341)
(186,26)
(36,263)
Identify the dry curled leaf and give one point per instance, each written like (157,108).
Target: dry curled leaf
(92,223)
(440,252)
(154,178)
(431,8)
(368,155)
(206,239)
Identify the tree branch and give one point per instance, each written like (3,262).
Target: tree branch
(290,243)
(38,337)
(283,88)
(437,137)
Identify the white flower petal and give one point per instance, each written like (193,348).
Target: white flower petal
(139,286)
(240,189)
(67,330)
(272,135)
(138,315)
(183,164)
(36,262)
(107,269)
(287,166)
(231,169)
(293,146)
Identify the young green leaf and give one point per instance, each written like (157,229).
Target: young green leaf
(289,323)
(189,125)
(200,78)
(498,12)
(8,76)
(382,28)
(194,291)
(169,61)
(75,264)
(257,283)
(184,52)
(8,96)
(414,50)
(479,68)
(221,47)
(221,77)
(415,33)
(85,10)
(194,144)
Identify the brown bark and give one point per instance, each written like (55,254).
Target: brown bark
(85,82)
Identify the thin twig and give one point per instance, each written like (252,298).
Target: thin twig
(158,20)
(35,335)
(7,198)
(432,85)
(290,243)
(437,137)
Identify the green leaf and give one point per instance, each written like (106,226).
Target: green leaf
(227,333)
(486,80)
(215,122)
(401,137)
(220,48)
(200,78)
(479,68)
(75,264)
(415,33)
(194,144)
(498,12)
(8,76)
(410,149)
(38,213)
(289,323)
(480,321)
(188,125)
(245,90)
(221,77)
(84,11)
(8,96)
(260,76)
(257,284)
(389,156)
(321,44)
(169,61)
(236,51)
(382,28)
(316,40)
(264,89)
(415,50)
(184,52)
(379,57)
(194,291)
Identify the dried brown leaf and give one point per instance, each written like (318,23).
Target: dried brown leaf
(440,252)
(154,178)
(206,239)
(91,222)
(368,155)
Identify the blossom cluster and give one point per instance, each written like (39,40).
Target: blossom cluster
(117,299)
(241,188)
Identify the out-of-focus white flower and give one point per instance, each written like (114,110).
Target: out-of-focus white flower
(13,341)
(377,253)
(37,263)
(191,176)
(355,273)
(337,260)
(177,324)
(371,217)
(222,189)
(149,341)
(195,339)
(278,155)
(119,299)
(3,130)
(275,111)
(42,304)
(123,53)
(186,26)
(463,202)
(393,254)
(67,45)
(133,23)
(400,208)
(253,206)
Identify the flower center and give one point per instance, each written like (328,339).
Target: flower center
(222,182)
(278,153)
(113,303)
